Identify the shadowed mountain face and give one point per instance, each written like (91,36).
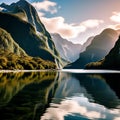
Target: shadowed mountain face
(111,61)
(67,49)
(98,49)
(31,35)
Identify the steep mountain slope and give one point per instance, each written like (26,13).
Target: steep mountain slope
(7,43)
(111,61)
(28,10)
(67,49)
(98,49)
(31,35)
(14,57)
(87,43)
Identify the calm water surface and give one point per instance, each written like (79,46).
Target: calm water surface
(60,95)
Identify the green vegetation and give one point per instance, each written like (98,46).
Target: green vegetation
(12,56)
(12,61)
(24,95)
(7,43)
(111,61)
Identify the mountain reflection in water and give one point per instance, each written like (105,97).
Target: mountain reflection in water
(59,96)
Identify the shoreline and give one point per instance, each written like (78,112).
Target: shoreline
(64,70)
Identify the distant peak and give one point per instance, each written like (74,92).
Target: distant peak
(22,1)
(108,30)
(3,5)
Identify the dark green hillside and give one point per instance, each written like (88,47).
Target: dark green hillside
(98,49)
(24,34)
(111,61)
(14,57)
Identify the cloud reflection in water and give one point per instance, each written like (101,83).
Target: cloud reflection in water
(72,106)
(79,101)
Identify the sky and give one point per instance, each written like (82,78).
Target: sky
(77,20)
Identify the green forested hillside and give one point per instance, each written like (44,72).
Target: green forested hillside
(12,56)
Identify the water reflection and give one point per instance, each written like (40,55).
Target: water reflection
(24,96)
(85,96)
(59,96)
(99,89)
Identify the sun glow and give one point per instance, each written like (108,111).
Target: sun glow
(115,17)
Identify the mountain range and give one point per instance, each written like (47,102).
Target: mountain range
(98,49)
(67,49)
(110,61)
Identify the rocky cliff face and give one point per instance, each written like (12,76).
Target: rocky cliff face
(67,49)
(98,49)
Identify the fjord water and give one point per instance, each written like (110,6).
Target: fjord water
(60,95)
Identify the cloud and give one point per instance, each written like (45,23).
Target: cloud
(58,25)
(40,14)
(92,23)
(115,27)
(115,17)
(46,6)
(1,8)
(117,118)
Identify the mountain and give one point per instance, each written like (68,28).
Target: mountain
(8,44)
(86,44)
(67,49)
(12,56)
(111,61)
(31,35)
(98,49)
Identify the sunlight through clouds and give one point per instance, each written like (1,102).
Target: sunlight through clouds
(115,27)
(1,8)
(58,24)
(67,31)
(117,118)
(115,17)
(92,23)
